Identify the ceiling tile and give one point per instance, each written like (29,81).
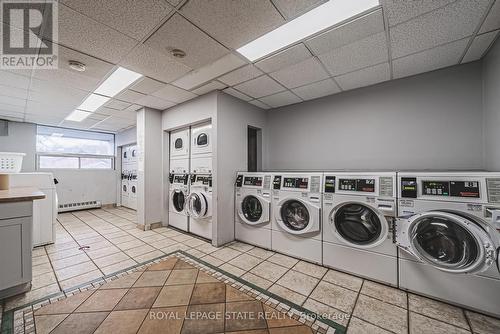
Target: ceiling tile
(260,86)
(178,33)
(116,104)
(154,64)
(174,2)
(85,124)
(207,73)
(12,108)
(237,94)
(86,35)
(13,101)
(492,21)
(147,86)
(285,58)
(69,97)
(365,77)
(280,99)
(94,68)
(347,33)
(398,11)
(317,89)
(61,78)
(242,74)
(11,115)
(479,46)
(450,23)
(19,93)
(133,18)
(14,80)
(300,74)
(155,102)
(174,94)
(130,96)
(429,60)
(133,107)
(47,109)
(233,23)
(363,53)
(44,119)
(294,8)
(259,104)
(211,86)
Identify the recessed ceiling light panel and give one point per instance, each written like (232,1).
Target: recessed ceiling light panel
(117,81)
(93,102)
(308,24)
(77,116)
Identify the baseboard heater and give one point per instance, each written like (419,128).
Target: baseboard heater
(79,206)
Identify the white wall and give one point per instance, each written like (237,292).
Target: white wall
(126,137)
(21,138)
(491,102)
(430,121)
(232,121)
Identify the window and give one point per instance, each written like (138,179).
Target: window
(59,148)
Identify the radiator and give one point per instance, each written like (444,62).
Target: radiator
(79,206)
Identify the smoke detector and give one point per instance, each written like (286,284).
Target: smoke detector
(178,53)
(77,66)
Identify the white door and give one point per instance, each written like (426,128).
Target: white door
(179,144)
(297,217)
(253,210)
(201,139)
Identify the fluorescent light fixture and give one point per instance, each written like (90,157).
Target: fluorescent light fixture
(310,23)
(120,79)
(57,134)
(93,102)
(77,116)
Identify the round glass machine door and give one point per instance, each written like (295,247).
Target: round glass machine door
(445,242)
(178,199)
(295,215)
(178,144)
(358,224)
(251,208)
(197,205)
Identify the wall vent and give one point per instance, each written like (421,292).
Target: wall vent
(79,206)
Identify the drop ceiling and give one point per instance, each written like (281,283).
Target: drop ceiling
(396,40)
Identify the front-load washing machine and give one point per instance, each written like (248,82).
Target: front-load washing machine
(201,149)
(179,151)
(177,208)
(253,208)
(200,205)
(132,184)
(448,233)
(125,188)
(359,211)
(296,207)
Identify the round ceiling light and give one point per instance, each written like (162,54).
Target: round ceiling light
(178,53)
(77,66)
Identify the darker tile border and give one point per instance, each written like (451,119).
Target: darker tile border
(7,325)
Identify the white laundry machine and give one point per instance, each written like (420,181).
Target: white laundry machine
(448,233)
(200,205)
(177,206)
(359,210)
(129,176)
(201,149)
(125,189)
(296,207)
(179,151)
(253,208)
(132,184)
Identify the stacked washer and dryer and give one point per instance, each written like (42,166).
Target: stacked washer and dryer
(129,177)
(190,181)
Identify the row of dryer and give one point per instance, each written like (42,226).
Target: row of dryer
(129,177)
(190,179)
(435,234)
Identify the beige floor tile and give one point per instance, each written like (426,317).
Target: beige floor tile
(66,305)
(233,295)
(287,294)
(205,278)
(76,270)
(165,264)
(122,239)
(138,298)
(310,269)
(232,269)
(212,260)
(102,252)
(30,296)
(123,322)
(174,295)
(80,279)
(225,254)
(36,260)
(163,243)
(269,271)
(44,324)
(437,310)
(60,246)
(139,250)
(152,278)
(482,324)
(41,269)
(420,324)
(345,280)
(152,238)
(43,280)
(245,261)
(118,266)
(206,248)
(384,315)
(182,237)
(185,276)
(102,300)
(298,282)
(327,312)
(335,296)
(70,261)
(385,293)
(130,244)
(174,248)
(38,251)
(194,242)
(240,246)
(358,326)
(196,253)
(257,280)
(80,323)
(111,259)
(283,260)
(126,281)
(148,256)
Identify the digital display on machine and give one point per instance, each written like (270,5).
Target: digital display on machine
(277,182)
(363,185)
(253,181)
(469,189)
(330,184)
(296,182)
(180,179)
(409,187)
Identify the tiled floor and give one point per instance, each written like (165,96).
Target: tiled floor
(361,305)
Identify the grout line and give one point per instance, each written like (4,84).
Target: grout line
(355,304)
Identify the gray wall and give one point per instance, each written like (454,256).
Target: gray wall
(491,102)
(22,139)
(430,121)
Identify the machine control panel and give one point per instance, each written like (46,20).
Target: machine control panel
(330,184)
(361,185)
(239,181)
(277,182)
(255,181)
(181,178)
(296,182)
(467,189)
